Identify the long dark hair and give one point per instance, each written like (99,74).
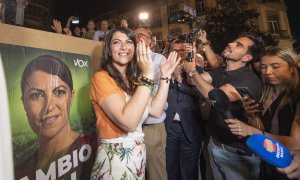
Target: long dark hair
(133,71)
(50,65)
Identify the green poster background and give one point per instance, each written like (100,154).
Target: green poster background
(82,118)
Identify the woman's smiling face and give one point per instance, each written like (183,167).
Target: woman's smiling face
(47,100)
(122,49)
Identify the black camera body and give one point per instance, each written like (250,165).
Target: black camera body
(75,20)
(199,23)
(185,17)
(190,38)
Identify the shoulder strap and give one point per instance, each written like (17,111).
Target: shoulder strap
(270,112)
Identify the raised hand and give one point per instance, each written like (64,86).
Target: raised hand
(70,18)
(168,66)
(177,72)
(190,65)
(69,22)
(188,47)
(68,31)
(144,59)
(57,26)
(202,36)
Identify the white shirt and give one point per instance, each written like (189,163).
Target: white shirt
(130,136)
(156,59)
(99,34)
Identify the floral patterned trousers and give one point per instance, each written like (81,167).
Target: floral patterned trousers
(124,161)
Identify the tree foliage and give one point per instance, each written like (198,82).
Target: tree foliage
(229,19)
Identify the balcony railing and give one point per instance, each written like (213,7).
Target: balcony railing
(156,23)
(282,34)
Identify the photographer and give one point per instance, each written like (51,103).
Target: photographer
(229,156)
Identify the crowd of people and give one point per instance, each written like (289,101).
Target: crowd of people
(153,112)
(93,30)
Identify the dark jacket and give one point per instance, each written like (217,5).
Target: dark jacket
(184,99)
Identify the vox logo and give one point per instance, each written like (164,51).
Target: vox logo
(81,63)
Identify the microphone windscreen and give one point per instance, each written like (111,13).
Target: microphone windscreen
(269,150)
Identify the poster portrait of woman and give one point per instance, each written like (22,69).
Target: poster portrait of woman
(52,143)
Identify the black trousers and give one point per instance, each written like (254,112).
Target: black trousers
(182,156)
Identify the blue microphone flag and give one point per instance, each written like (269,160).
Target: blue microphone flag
(270,150)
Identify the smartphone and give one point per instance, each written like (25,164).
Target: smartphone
(75,20)
(190,55)
(154,38)
(245,91)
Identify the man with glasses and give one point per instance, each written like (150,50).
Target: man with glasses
(183,122)
(153,128)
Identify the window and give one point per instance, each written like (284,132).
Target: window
(37,10)
(158,35)
(175,32)
(173,10)
(232,1)
(156,18)
(200,8)
(271,1)
(273,24)
(160,44)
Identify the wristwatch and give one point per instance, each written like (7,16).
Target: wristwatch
(192,72)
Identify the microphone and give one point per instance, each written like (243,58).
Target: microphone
(270,150)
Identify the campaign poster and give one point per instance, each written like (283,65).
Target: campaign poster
(51,116)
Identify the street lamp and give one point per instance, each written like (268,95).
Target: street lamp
(143,16)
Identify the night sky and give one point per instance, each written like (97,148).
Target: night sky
(91,8)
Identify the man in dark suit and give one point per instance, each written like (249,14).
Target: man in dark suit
(183,123)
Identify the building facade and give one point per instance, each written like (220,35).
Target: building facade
(38,14)
(272,19)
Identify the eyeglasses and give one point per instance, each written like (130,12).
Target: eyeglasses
(140,34)
(179,50)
